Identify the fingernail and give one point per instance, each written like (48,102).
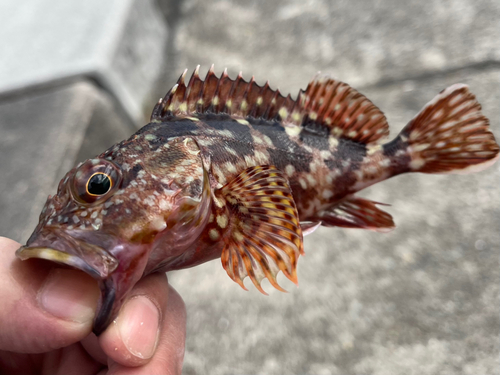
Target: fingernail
(69,295)
(138,324)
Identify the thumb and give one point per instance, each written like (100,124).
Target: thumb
(43,307)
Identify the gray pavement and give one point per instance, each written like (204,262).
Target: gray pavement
(422,299)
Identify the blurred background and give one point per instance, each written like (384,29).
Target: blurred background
(77,76)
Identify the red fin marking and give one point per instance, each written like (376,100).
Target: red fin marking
(451,135)
(264,235)
(355,212)
(223,95)
(326,102)
(342,109)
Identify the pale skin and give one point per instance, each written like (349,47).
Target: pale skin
(46,318)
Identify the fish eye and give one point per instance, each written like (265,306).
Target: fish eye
(99,184)
(95,180)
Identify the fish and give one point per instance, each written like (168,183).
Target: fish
(230,169)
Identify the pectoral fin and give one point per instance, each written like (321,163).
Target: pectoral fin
(355,212)
(264,235)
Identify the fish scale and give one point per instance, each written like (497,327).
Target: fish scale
(233,170)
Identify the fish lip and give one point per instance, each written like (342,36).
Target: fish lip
(58,256)
(59,247)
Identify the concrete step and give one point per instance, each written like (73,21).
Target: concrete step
(43,133)
(120,44)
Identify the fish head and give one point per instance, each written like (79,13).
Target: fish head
(112,212)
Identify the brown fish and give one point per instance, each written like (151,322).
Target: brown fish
(227,168)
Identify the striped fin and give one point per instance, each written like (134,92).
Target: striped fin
(331,105)
(264,235)
(341,109)
(450,135)
(356,212)
(235,97)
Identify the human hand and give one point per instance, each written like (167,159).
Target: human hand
(46,316)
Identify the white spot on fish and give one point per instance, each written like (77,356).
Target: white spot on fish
(327,194)
(471,127)
(260,157)
(222,221)
(437,114)
(283,112)
(421,147)
(325,154)
(447,125)
(385,162)
(230,167)
(303,183)
(346,163)
(293,131)
(455,99)
(231,151)
(150,201)
(150,137)
(373,149)
(227,133)
(213,234)
(310,178)
(290,170)
(83,213)
(158,224)
(76,220)
(267,140)
(257,139)
(333,142)
(416,164)
(242,121)
(474,147)
(108,204)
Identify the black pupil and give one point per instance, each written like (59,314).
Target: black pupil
(99,184)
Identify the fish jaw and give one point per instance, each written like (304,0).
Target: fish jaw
(116,287)
(60,247)
(117,266)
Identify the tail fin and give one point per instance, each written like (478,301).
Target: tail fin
(450,135)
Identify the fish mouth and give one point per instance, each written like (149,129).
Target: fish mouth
(96,254)
(60,247)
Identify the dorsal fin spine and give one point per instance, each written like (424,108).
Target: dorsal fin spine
(325,103)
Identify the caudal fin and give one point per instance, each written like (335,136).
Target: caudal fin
(450,135)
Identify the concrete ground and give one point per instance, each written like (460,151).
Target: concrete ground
(423,299)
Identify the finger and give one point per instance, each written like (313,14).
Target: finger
(131,339)
(43,307)
(169,354)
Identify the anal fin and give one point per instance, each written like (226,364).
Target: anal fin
(309,227)
(263,234)
(355,212)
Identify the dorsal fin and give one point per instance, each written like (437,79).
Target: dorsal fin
(235,97)
(340,108)
(326,103)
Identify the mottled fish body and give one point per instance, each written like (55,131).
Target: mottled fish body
(227,168)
